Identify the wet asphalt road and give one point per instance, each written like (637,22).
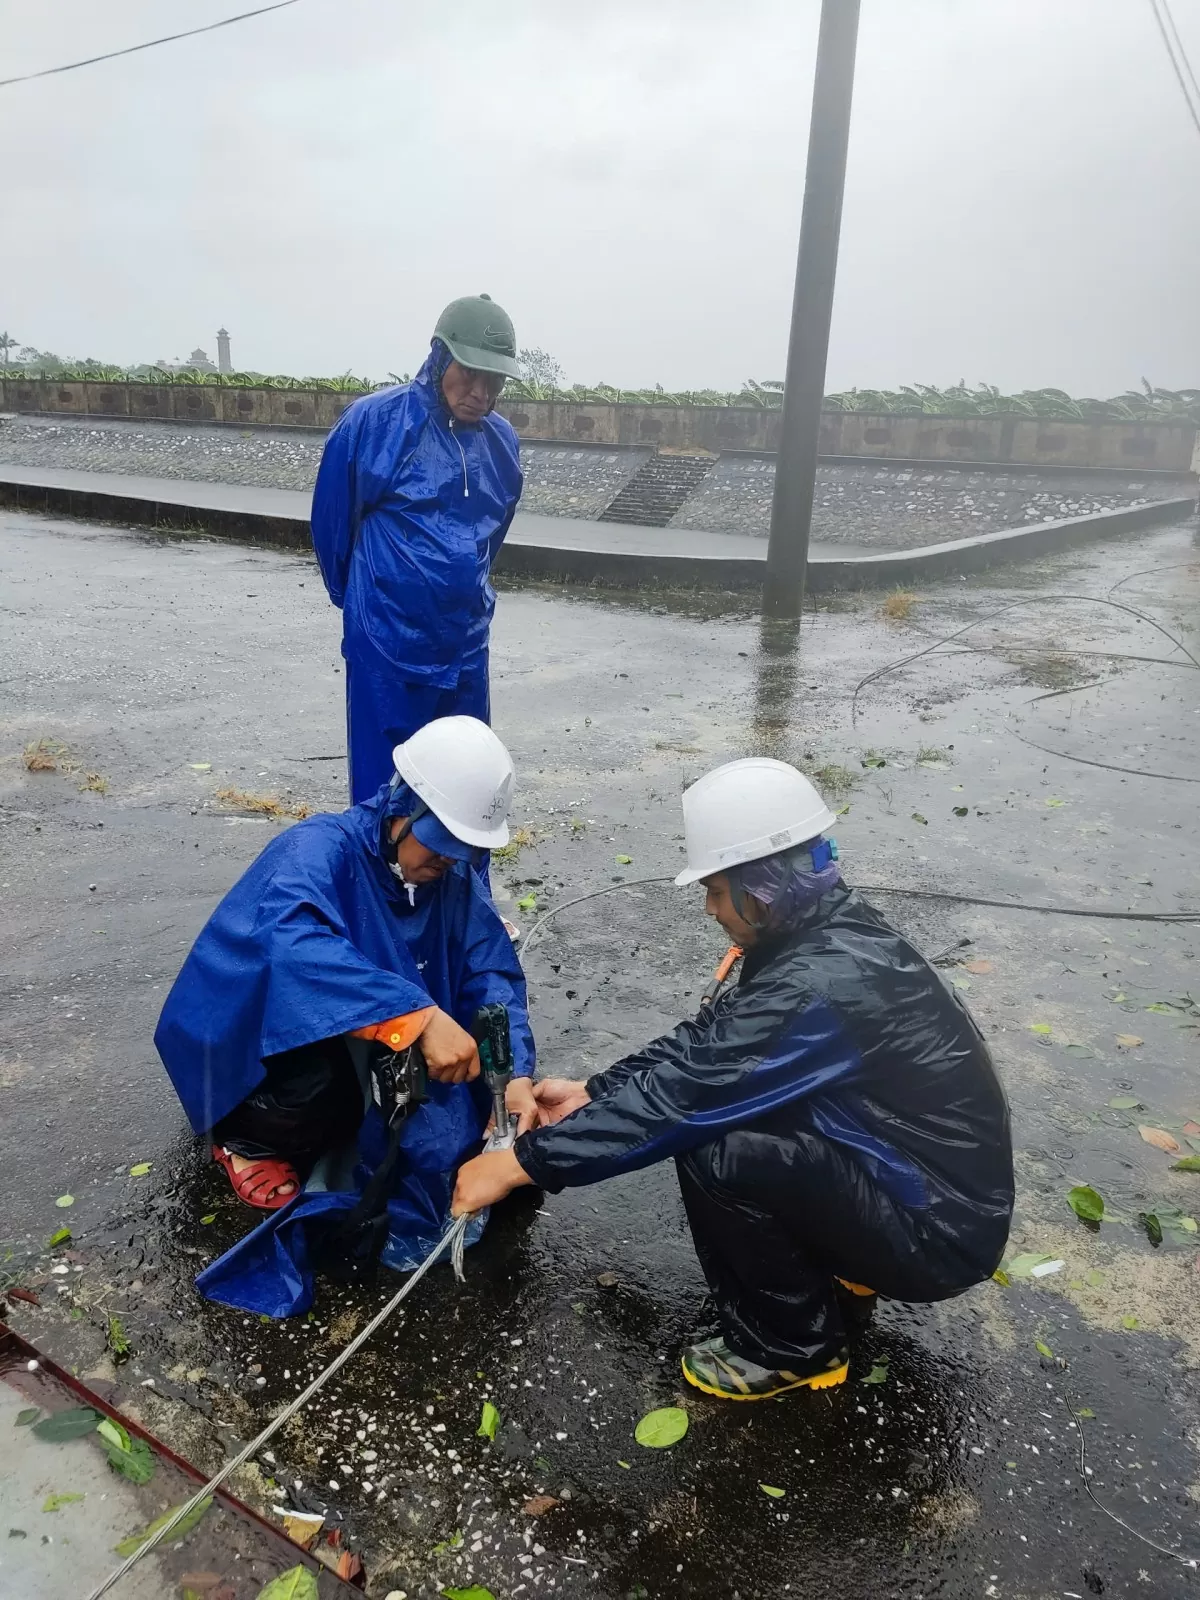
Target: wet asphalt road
(160,671)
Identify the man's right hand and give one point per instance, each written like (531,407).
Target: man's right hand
(557,1098)
(451,1055)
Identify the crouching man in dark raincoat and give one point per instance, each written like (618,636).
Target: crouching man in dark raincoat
(351,934)
(836,1122)
(417,489)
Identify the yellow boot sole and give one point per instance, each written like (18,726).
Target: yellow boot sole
(818,1380)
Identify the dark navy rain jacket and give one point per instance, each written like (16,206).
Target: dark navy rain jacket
(841,1027)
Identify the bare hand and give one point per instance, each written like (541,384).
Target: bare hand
(557,1098)
(522,1104)
(485,1180)
(451,1054)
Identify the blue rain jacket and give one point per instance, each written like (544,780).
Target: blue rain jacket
(316,939)
(409,512)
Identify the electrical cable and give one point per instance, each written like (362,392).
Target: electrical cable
(1109,766)
(132,49)
(1033,599)
(453,1237)
(609,888)
(1193,112)
(891,888)
(1180,46)
(1187,1561)
(1142,572)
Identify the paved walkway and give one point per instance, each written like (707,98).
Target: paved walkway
(554,533)
(569,547)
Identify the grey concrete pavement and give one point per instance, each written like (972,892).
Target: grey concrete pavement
(158,672)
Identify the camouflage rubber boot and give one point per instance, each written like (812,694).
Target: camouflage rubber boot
(712,1366)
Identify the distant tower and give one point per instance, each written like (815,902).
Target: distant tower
(224,364)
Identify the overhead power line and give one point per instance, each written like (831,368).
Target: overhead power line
(1180,65)
(1180,46)
(132,49)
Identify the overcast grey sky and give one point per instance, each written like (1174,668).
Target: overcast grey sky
(625,177)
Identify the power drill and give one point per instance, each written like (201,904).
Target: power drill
(490,1029)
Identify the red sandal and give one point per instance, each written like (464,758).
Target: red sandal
(259,1185)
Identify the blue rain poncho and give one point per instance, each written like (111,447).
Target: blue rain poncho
(316,939)
(408,514)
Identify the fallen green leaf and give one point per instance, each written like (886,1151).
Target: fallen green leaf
(1188,1164)
(843,811)
(1021,1266)
(1043,1349)
(200,766)
(961,811)
(1011,1465)
(135,1541)
(527,903)
(960,983)
(1080,1050)
(53,1501)
(877,1374)
(141,1169)
(1086,1202)
(624,1464)
(1152,1225)
(1160,1009)
(624,861)
(73,1423)
(917,817)
(211,1217)
(134,1460)
(475,1592)
(24,1418)
(1095,1278)
(113,1433)
(65,1200)
(1125,1102)
(1084,1411)
(1055,801)
(1039,1027)
(1129,1321)
(874,761)
(59,1236)
(489,1421)
(298,1583)
(776,1494)
(1001,1277)
(661,1428)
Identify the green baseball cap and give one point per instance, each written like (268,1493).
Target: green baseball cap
(478,333)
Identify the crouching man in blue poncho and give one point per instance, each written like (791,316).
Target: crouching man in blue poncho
(352,934)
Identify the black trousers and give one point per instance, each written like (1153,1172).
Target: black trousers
(309,1101)
(777,1213)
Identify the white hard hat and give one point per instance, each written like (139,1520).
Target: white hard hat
(465,776)
(746,810)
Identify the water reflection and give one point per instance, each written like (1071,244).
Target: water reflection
(776,669)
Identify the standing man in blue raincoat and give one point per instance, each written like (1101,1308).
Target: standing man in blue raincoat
(416,492)
(351,934)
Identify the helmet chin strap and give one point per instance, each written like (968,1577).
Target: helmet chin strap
(392,847)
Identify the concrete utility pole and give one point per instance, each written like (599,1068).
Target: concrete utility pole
(812,309)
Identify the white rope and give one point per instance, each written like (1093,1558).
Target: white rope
(453,1237)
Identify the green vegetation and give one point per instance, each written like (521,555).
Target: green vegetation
(542,380)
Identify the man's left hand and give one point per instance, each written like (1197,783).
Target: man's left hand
(485,1180)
